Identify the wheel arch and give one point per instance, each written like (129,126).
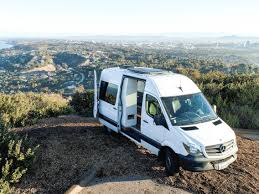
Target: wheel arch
(162,150)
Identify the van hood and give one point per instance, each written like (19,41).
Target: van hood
(209,134)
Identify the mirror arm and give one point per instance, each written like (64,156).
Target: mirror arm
(215,108)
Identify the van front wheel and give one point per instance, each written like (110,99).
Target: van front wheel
(171,162)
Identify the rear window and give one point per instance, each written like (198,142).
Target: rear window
(108,92)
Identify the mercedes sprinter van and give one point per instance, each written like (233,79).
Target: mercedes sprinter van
(167,114)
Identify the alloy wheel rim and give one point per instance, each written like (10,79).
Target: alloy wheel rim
(168,162)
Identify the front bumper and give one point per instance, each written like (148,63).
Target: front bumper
(200,163)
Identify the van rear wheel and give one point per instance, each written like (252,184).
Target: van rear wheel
(171,162)
(109,131)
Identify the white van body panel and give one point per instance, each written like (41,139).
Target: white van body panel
(209,134)
(111,112)
(112,75)
(95,96)
(129,103)
(108,124)
(149,147)
(108,110)
(150,129)
(174,85)
(170,140)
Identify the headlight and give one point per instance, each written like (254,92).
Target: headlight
(192,149)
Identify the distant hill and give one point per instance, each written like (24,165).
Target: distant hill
(70,59)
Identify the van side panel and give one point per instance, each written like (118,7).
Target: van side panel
(95,109)
(151,148)
(109,93)
(108,124)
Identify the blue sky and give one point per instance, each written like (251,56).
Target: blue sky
(76,17)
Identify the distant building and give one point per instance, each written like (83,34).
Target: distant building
(247,44)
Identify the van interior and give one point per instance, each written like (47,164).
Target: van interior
(132,99)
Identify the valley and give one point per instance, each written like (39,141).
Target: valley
(63,65)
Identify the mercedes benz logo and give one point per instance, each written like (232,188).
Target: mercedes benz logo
(222,148)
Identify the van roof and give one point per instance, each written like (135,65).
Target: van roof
(167,83)
(140,71)
(146,70)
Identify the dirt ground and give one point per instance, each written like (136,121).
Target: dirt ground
(126,185)
(69,146)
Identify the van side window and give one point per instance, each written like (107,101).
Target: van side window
(152,106)
(108,92)
(103,88)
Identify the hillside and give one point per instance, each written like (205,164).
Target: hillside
(47,68)
(71,145)
(72,59)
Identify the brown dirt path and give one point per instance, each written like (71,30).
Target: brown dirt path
(70,145)
(137,185)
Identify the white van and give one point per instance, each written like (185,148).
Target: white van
(167,114)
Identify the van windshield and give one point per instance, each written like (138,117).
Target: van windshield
(188,109)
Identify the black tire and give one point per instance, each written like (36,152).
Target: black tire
(108,130)
(171,162)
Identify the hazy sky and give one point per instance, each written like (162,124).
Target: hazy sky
(75,17)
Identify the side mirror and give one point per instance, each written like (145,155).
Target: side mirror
(214,108)
(159,119)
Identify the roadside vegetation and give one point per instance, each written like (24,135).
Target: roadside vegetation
(26,108)
(16,157)
(82,101)
(17,152)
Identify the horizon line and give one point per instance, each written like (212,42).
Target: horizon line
(162,34)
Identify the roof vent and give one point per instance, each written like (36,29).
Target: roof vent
(217,122)
(126,66)
(145,70)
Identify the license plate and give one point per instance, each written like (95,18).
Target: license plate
(220,165)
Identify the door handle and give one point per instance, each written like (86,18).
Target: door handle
(145,121)
(114,108)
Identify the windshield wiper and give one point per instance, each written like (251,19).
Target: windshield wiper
(207,118)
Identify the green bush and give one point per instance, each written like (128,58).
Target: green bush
(82,102)
(248,117)
(16,153)
(236,96)
(16,156)
(231,119)
(26,108)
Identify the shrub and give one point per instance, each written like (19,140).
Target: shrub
(231,119)
(236,96)
(82,102)
(248,117)
(26,108)
(16,156)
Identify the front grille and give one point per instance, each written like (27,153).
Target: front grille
(219,149)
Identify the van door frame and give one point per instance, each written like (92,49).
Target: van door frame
(131,132)
(151,143)
(107,121)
